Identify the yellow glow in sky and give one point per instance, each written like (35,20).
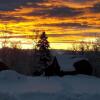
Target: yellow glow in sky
(65,21)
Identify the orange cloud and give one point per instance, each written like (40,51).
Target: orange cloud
(63,20)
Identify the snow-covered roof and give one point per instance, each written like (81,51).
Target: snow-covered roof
(66,61)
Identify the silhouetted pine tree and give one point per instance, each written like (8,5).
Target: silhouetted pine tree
(43,51)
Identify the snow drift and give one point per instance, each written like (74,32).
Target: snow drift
(14,86)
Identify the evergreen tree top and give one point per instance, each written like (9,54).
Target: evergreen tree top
(43,36)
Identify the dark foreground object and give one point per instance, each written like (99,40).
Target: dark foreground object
(53,69)
(83,67)
(3,66)
(63,73)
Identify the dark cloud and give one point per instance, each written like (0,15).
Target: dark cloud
(66,35)
(57,12)
(92,34)
(96,8)
(7,5)
(80,1)
(4,17)
(65,25)
(19,1)
(63,12)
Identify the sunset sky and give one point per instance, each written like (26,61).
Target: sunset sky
(64,21)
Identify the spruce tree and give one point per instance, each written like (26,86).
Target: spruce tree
(43,50)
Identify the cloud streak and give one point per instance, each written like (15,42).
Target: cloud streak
(9,5)
(57,12)
(62,19)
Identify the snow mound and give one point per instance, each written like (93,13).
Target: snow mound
(10,75)
(65,63)
(79,87)
(7,96)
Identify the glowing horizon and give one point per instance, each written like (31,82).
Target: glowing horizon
(64,21)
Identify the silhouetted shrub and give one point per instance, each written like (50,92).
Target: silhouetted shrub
(83,67)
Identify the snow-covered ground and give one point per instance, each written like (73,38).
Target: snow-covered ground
(66,61)
(14,86)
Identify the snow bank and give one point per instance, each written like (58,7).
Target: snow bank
(7,96)
(79,87)
(16,83)
(66,61)
(10,75)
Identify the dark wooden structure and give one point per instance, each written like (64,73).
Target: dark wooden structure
(53,69)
